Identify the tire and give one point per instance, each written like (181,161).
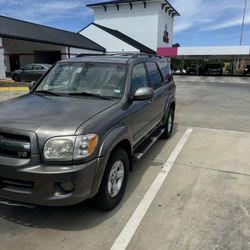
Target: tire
(168,126)
(109,195)
(16,78)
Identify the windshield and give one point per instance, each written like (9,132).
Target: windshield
(103,79)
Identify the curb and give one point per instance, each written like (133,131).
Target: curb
(13,88)
(7,80)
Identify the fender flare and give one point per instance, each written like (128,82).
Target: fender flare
(167,107)
(111,139)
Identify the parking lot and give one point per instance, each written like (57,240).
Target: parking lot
(204,202)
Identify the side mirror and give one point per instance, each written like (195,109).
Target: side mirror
(31,85)
(144,93)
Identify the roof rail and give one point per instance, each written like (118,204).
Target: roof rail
(83,54)
(132,55)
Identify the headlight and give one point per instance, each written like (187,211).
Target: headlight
(70,147)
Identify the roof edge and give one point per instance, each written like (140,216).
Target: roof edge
(115,2)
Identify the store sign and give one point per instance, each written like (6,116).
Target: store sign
(166,34)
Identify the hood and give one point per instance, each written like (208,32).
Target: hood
(50,115)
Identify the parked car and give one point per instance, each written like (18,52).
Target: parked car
(180,72)
(89,118)
(213,69)
(246,70)
(192,69)
(30,72)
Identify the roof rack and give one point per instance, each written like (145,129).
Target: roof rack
(132,55)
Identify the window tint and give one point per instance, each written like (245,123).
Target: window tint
(165,69)
(139,77)
(154,75)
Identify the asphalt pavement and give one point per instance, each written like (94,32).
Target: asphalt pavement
(203,201)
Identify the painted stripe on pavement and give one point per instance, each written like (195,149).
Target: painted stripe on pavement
(13,88)
(130,228)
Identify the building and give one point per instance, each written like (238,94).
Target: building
(237,57)
(127,25)
(23,42)
(206,53)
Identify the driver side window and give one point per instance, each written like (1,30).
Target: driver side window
(139,77)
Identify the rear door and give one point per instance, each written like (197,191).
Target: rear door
(160,92)
(168,80)
(27,71)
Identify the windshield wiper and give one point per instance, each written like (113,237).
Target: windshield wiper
(90,94)
(46,92)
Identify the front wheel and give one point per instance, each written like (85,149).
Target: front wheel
(168,126)
(114,181)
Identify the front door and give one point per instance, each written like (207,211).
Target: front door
(141,110)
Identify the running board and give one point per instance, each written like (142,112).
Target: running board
(147,144)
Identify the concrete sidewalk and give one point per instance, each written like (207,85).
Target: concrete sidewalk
(213,79)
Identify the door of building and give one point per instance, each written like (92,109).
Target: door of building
(49,57)
(14,62)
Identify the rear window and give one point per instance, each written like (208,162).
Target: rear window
(165,69)
(154,75)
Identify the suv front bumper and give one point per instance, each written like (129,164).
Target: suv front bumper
(41,184)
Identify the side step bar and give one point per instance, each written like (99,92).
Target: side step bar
(147,144)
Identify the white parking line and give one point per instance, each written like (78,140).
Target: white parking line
(130,228)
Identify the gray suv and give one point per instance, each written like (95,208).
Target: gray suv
(75,135)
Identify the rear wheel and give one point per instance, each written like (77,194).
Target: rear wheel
(114,181)
(168,126)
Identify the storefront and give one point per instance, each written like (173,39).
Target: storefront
(22,43)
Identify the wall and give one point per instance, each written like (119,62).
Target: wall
(109,42)
(25,50)
(165,23)
(146,25)
(139,23)
(2,67)
(76,51)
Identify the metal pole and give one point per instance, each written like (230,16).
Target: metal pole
(243,23)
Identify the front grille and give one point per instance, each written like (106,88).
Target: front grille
(15,184)
(15,146)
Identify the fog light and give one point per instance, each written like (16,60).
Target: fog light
(67,186)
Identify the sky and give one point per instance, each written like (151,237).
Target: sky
(202,22)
